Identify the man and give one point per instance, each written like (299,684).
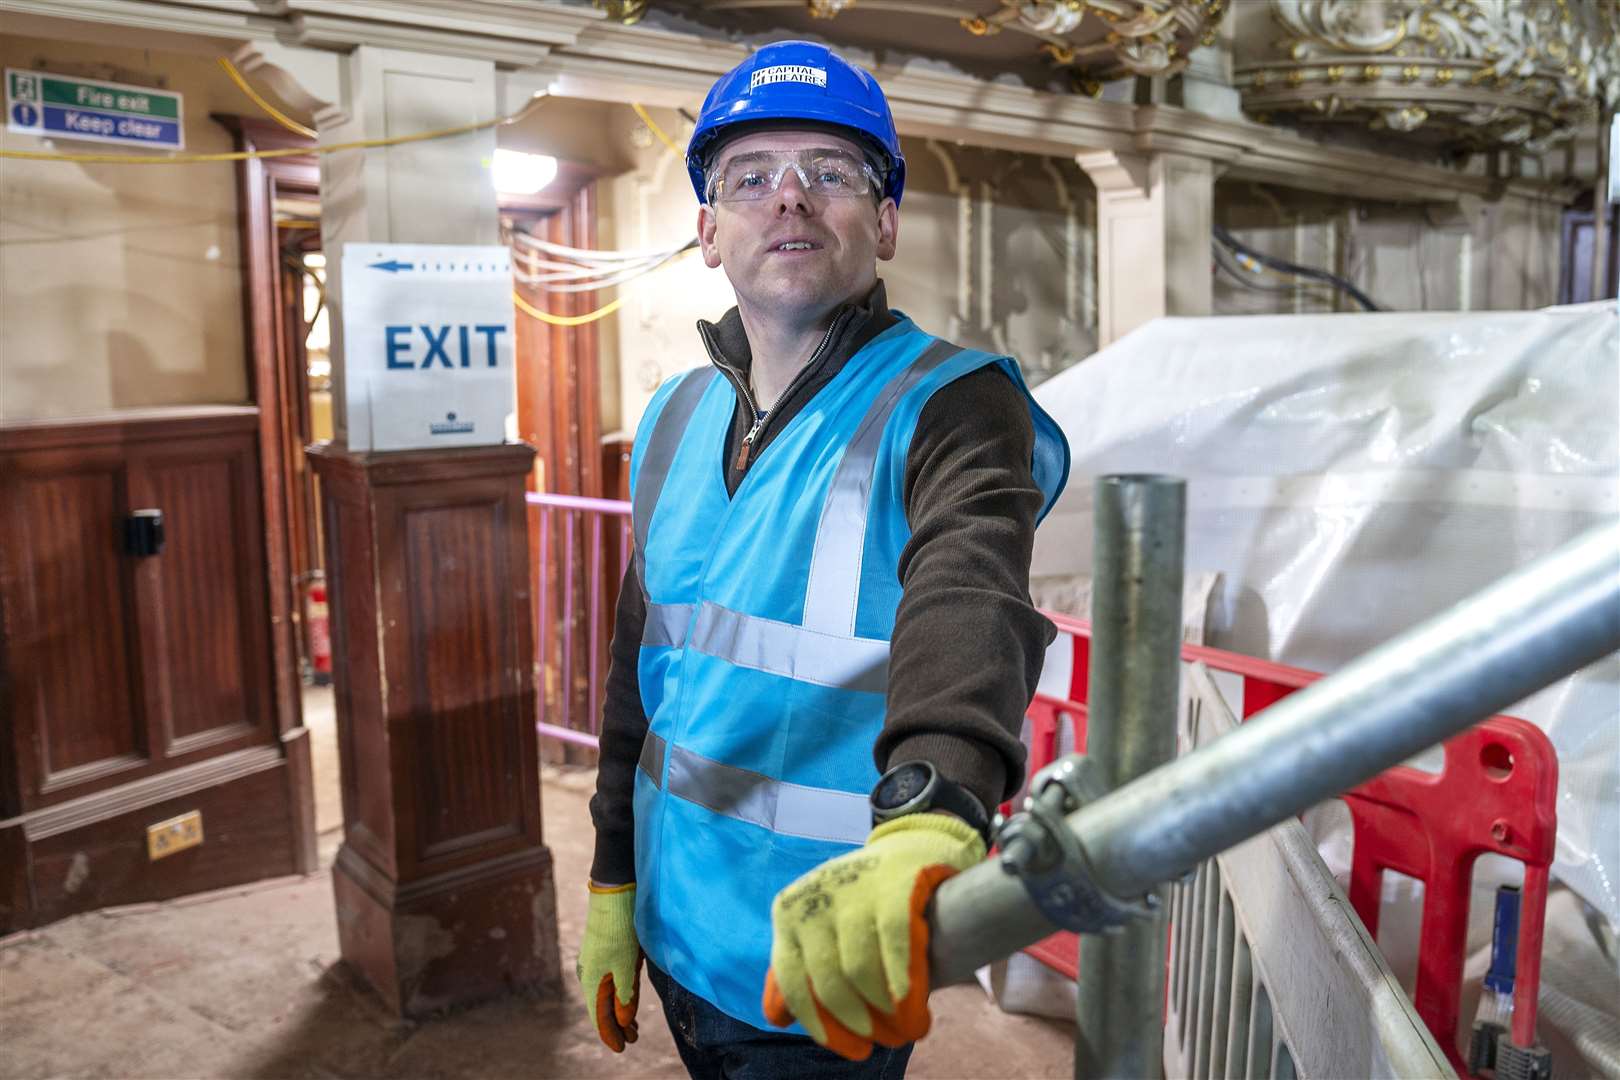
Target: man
(833,527)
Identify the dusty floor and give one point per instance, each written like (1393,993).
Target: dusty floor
(247,982)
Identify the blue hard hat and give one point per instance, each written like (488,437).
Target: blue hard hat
(794,83)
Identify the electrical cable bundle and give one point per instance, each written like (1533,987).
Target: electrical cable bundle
(556,268)
(1248,259)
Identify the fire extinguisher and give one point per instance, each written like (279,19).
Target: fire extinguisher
(320,634)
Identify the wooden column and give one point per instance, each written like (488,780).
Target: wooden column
(444,891)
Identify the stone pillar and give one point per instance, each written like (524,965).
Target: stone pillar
(432,192)
(1154,215)
(444,890)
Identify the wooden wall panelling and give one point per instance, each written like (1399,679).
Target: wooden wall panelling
(92,852)
(214,649)
(136,686)
(126,665)
(68,586)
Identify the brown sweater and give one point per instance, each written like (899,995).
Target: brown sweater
(968,645)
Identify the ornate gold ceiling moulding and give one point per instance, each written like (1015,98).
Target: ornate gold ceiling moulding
(1466,74)
(1088,41)
(628,12)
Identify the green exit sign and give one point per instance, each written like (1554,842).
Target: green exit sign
(39,103)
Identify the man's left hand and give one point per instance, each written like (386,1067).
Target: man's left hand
(849,946)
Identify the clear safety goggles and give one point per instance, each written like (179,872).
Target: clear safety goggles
(826,172)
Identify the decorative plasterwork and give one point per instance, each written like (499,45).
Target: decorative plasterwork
(608,61)
(1140,37)
(1086,41)
(1471,74)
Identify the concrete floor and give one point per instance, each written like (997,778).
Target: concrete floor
(247,982)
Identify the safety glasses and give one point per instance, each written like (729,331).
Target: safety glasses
(826,172)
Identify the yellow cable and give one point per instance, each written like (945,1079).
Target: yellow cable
(270,110)
(652,125)
(291,151)
(565,320)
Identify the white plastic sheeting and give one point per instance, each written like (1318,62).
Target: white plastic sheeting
(1351,475)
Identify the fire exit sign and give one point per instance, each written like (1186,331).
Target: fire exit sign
(60,106)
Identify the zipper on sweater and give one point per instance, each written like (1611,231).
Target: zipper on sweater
(746,450)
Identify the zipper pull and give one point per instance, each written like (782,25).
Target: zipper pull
(747,446)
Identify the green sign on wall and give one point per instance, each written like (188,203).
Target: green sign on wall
(60,106)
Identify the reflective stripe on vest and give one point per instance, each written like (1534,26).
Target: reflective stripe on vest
(823,649)
(666,624)
(651,760)
(834,587)
(666,436)
(784,808)
(841,661)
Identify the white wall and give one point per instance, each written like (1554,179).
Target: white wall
(120,285)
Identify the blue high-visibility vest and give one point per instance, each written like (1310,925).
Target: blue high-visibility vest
(765,656)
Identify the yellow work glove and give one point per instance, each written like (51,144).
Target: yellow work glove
(849,945)
(609,967)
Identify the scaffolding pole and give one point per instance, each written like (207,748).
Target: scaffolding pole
(1534,627)
(1137,565)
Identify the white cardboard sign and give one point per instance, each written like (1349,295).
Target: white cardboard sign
(427,345)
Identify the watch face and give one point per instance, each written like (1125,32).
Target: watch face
(901,786)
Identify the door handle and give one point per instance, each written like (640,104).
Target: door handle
(143,533)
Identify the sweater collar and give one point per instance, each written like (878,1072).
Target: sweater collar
(730,340)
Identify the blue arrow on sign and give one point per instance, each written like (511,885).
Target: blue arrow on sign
(393,266)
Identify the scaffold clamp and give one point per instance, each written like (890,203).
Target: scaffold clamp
(1038,847)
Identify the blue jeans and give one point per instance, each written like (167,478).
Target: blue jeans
(716,1046)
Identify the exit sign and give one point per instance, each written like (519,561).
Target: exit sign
(60,106)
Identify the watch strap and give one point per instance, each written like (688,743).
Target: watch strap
(956,799)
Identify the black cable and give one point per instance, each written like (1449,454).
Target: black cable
(1287,267)
(1244,279)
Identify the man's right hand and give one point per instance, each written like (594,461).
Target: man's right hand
(609,966)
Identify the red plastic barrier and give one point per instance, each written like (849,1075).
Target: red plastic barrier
(1046,715)
(1497,792)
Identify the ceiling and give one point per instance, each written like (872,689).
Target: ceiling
(1068,45)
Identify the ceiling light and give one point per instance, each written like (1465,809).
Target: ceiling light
(517,173)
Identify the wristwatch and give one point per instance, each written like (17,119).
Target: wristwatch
(915,787)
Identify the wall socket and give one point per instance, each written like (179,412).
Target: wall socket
(176,834)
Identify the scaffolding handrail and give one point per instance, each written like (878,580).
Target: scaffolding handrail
(1535,626)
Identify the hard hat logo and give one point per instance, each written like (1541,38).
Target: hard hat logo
(792,85)
(787,73)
